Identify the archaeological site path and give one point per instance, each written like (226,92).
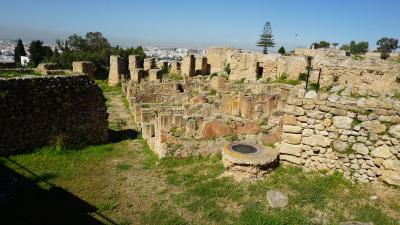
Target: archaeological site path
(123,182)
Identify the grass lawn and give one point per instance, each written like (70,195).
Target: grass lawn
(125,183)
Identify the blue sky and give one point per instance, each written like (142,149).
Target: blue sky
(202,23)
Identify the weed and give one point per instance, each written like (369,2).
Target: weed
(255,214)
(123,167)
(303,77)
(397,95)
(160,216)
(368,213)
(358,57)
(355,122)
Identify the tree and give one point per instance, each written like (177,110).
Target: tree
(335,44)
(266,38)
(355,48)
(321,44)
(18,52)
(282,50)
(386,46)
(39,52)
(95,41)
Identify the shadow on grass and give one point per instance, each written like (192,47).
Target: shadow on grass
(24,201)
(115,136)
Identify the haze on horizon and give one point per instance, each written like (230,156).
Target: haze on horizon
(200,24)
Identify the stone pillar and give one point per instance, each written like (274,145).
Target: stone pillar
(134,62)
(175,67)
(155,75)
(83,67)
(116,70)
(137,74)
(201,66)
(188,67)
(149,63)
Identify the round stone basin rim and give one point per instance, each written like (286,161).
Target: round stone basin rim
(249,154)
(244,148)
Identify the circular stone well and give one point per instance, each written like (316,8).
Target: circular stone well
(245,160)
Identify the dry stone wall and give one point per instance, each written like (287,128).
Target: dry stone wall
(37,111)
(358,137)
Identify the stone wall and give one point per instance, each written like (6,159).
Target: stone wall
(117,69)
(358,137)
(83,67)
(37,111)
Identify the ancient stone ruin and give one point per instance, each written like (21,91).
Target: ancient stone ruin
(348,126)
(49,110)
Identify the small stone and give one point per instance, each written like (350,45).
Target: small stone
(360,148)
(395,131)
(373,197)
(382,152)
(291,129)
(342,122)
(311,95)
(292,138)
(277,199)
(333,98)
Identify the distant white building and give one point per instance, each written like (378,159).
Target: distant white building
(25,60)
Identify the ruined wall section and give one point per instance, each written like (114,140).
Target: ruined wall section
(368,77)
(39,111)
(358,137)
(218,58)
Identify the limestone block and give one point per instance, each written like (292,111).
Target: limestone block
(360,148)
(277,199)
(292,138)
(392,165)
(83,67)
(155,75)
(383,151)
(340,146)
(289,119)
(294,110)
(391,177)
(342,122)
(317,140)
(247,128)
(137,74)
(117,67)
(216,129)
(311,95)
(188,67)
(292,129)
(395,131)
(290,149)
(134,62)
(291,159)
(149,63)
(374,126)
(175,67)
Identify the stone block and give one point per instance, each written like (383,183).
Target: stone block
(155,75)
(83,67)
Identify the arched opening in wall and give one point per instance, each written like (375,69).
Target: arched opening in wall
(259,70)
(180,88)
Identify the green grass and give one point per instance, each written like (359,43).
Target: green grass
(255,214)
(123,167)
(358,57)
(397,95)
(369,213)
(16,73)
(128,183)
(355,122)
(160,216)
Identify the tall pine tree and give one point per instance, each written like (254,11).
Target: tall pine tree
(18,52)
(266,38)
